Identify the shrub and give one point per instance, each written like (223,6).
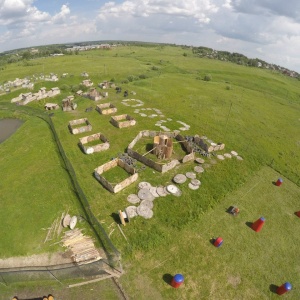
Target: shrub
(207,77)
(125,81)
(65,87)
(83,87)
(142,76)
(130,78)
(154,68)
(75,88)
(228,87)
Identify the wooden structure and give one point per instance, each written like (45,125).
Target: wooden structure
(163,146)
(208,146)
(82,247)
(161,167)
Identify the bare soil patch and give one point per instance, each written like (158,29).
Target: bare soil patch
(45,259)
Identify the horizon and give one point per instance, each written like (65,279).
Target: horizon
(256,29)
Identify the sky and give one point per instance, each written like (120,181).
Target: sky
(264,29)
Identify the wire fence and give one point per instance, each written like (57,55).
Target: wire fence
(58,273)
(72,271)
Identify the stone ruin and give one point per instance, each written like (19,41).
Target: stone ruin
(95,95)
(122,121)
(102,146)
(200,144)
(115,188)
(162,148)
(24,99)
(51,106)
(75,129)
(68,104)
(87,82)
(106,108)
(106,85)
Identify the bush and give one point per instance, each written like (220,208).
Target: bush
(154,68)
(83,87)
(130,78)
(65,87)
(142,76)
(125,81)
(75,88)
(207,77)
(228,87)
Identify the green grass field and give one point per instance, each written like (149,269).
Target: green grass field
(245,265)
(258,117)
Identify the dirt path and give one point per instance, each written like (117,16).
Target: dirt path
(45,259)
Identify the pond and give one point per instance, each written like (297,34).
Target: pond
(8,127)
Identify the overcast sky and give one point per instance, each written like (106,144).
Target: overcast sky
(266,29)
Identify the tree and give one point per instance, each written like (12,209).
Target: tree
(26,55)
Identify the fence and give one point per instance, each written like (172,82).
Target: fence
(58,273)
(113,255)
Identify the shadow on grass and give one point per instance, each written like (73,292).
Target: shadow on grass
(274,182)
(212,240)
(296,214)
(80,148)
(149,147)
(40,298)
(249,224)
(116,218)
(273,288)
(167,278)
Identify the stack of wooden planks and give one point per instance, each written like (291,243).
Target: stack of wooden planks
(82,247)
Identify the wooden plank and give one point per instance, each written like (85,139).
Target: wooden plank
(90,281)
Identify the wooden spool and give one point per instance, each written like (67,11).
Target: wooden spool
(73,222)
(123,217)
(66,220)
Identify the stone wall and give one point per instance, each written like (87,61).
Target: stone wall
(87,127)
(106,108)
(112,164)
(118,122)
(102,146)
(162,168)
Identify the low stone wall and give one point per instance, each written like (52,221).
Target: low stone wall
(87,127)
(118,122)
(102,146)
(208,147)
(112,164)
(162,168)
(106,108)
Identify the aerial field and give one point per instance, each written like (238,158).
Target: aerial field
(252,111)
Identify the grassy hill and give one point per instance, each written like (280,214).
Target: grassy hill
(254,112)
